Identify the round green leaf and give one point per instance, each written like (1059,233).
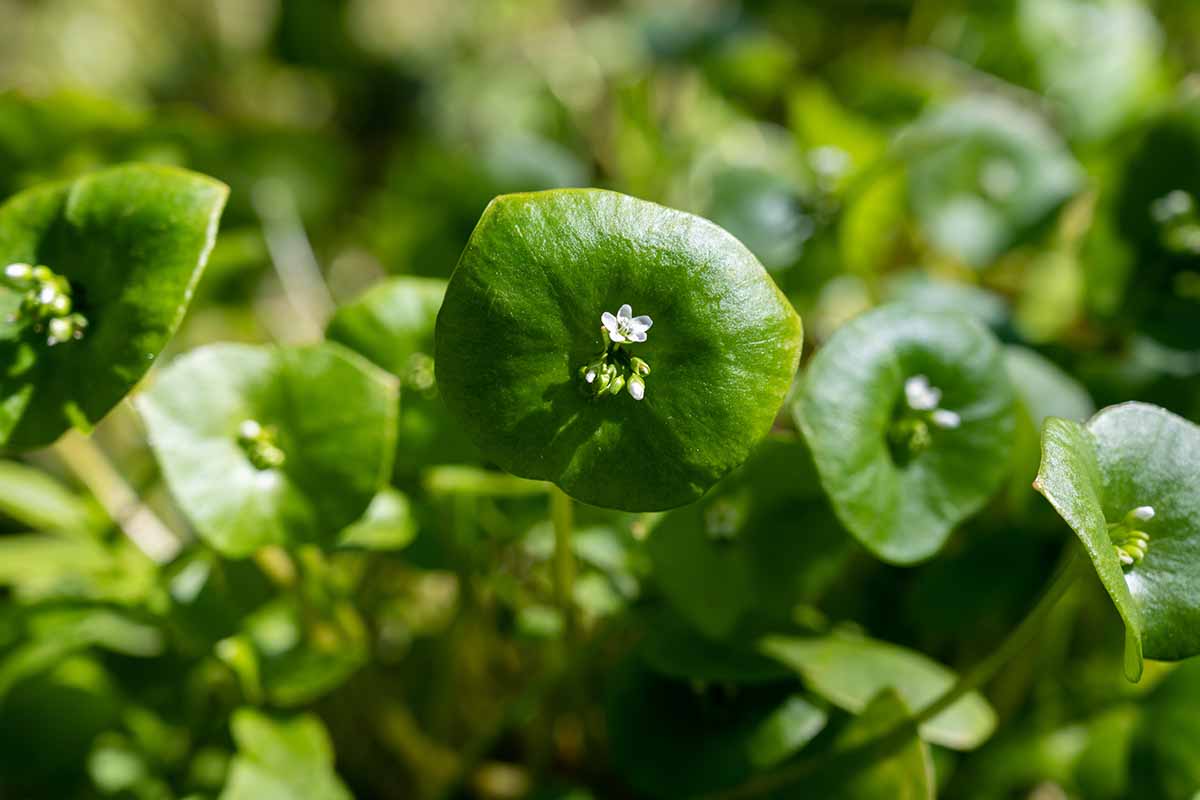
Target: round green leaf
(761,542)
(332,416)
(902,505)
(849,670)
(984,173)
(1127,457)
(132,241)
(522,316)
(674,739)
(392,324)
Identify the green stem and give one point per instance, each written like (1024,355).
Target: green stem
(1068,572)
(562,516)
(114,494)
(1015,643)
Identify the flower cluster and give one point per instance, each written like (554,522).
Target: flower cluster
(616,369)
(46,302)
(260,443)
(1129,541)
(923,396)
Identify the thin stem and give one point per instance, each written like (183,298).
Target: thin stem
(562,516)
(1068,572)
(1016,641)
(143,527)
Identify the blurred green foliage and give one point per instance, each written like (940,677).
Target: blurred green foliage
(1032,163)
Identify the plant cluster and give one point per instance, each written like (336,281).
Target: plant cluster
(391,462)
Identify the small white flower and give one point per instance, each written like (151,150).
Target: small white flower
(590,376)
(625,327)
(946,419)
(920,395)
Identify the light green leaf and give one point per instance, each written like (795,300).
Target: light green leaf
(522,319)
(1044,388)
(131,242)
(1127,457)
(392,324)
(33,498)
(849,670)
(326,420)
(281,759)
(898,480)
(985,172)
(388,524)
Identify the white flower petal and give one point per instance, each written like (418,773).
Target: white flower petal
(919,395)
(625,311)
(616,336)
(637,336)
(1143,513)
(642,323)
(590,376)
(609,321)
(946,419)
(637,389)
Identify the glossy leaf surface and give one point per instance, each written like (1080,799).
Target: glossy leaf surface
(1130,456)
(522,316)
(132,242)
(853,399)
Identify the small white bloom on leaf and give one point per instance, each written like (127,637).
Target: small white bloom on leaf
(920,394)
(625,327)
(946,419)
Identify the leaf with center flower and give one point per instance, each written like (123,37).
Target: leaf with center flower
(643,411)
(910,418)
(272,445)
(97,275)
(1128,484)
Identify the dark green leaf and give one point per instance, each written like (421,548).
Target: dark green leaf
(674,739)
(132,242)
(761,542)
(522,318)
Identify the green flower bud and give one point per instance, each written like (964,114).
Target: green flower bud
(640,367)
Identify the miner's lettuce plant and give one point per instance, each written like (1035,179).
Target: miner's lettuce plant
(629,365)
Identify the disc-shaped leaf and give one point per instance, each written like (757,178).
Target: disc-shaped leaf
(901,501)
(131,242)
(1129,457)
(328,414)
(762,541)
(849,670)
(985,172)
(522,317)
(392,324)
(676,739)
